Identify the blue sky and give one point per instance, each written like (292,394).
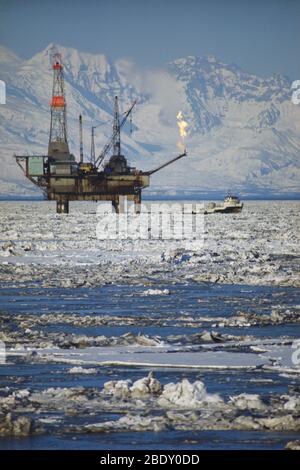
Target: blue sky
(262,37)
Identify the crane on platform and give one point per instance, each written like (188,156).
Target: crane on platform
(115,140)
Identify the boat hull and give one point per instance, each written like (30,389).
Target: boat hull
(224,210)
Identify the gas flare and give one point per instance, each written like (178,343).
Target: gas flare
(181,147)
(182,125)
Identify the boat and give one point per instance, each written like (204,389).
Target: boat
(230,204)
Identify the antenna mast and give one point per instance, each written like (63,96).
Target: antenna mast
(80,139)
(116,129)
(93,157)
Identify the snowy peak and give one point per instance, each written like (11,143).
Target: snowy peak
(8,57)
(216,79)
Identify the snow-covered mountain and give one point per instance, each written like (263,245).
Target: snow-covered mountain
(243,131)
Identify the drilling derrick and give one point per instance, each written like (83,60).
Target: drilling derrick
(58,141)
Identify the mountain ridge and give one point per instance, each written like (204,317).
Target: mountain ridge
(243,130)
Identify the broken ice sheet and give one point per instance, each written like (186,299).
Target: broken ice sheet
(85,320)
(260,246)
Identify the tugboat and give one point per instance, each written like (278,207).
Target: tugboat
(231,204)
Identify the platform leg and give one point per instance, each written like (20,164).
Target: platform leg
(123,204)
(137,202)
(116,204)
(62,207)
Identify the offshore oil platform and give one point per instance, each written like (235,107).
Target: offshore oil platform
(64,179)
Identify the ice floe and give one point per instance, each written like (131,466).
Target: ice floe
(145,404)
(198,338)
(156,292)
(240,251)
(82,370)
(187,395)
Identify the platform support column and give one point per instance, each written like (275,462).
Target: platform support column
(62,207)
(137,202)
(116,204)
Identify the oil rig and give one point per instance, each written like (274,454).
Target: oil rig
(64,179)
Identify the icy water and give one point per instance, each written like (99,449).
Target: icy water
(164,316)
(85,323)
